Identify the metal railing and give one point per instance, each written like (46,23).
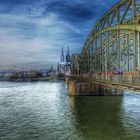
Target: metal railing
(120,79)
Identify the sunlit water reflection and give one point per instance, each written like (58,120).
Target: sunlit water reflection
(44,111)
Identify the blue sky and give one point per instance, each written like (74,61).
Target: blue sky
(32,32)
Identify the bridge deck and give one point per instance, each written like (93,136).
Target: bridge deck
(131,83)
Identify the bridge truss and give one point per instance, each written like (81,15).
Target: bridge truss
(114,42)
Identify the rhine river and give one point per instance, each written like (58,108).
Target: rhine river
(44,111)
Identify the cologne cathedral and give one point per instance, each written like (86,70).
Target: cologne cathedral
(65,62)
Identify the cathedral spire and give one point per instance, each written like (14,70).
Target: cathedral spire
(62,55)
(68,55)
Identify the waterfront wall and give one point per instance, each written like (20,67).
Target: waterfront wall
(76,87)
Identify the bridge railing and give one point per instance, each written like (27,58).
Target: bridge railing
(131,79)
(123,79)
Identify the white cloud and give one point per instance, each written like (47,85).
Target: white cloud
(14,41)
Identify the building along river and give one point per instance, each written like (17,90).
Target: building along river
(44,111)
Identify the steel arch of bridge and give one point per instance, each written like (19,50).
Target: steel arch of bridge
(113,43)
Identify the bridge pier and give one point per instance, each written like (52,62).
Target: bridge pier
(86,88)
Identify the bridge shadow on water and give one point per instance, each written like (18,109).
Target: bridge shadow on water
(107,117)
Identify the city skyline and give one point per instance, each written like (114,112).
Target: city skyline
(33,32)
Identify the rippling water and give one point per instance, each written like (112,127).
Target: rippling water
(44,111)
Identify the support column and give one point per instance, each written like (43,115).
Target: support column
(119,49)
(139,50)
(92,58)
(128,54)
(101,54)
(134,50)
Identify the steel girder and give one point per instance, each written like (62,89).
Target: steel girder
(114,42)
(75,69)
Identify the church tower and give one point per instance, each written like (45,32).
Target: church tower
(68,56)
(64,64)
(62,56)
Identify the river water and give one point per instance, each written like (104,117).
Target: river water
(44,111)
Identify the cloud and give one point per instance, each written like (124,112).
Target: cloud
(34,30)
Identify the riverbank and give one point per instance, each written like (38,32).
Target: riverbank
(32,79)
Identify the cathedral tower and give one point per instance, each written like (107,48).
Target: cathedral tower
(62,56)
(68,56)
